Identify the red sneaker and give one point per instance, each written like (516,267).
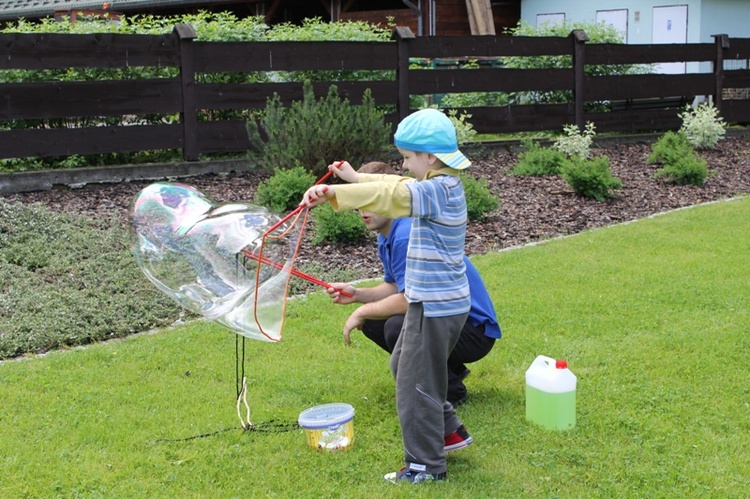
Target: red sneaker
(458,439)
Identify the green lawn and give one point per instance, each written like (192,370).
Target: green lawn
(652,317)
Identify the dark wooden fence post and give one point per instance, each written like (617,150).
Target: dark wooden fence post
(579,62)
(188,117)
(722,43)
(402,35)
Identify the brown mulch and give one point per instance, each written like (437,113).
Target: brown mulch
(532,208)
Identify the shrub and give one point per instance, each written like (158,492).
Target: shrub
(314,133)
(464,130)
(681,165)
(686,170)
(576,144)
(591,178)
(670,148)
(538,160)
(702,126)
(284,190)
(479,198)
(337,227)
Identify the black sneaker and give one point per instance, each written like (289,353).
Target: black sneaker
(411,476)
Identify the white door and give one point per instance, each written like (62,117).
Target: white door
(551,19)
(670,26)
(618,19)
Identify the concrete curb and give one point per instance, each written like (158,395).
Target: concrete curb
(45,180)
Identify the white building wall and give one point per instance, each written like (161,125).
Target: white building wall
(705,17)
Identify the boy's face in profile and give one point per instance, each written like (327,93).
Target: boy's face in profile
(419,163)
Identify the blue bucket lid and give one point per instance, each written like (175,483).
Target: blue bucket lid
(327,415)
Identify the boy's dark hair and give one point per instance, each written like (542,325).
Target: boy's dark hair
(377,167)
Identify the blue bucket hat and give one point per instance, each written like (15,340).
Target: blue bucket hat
(431,131)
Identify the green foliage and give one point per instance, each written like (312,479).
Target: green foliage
(464,130)
(539,160)
(479,198)
(686,170)
(67,281)
(314,133)
(576,144)
(670,148)
(703,126)
(591,178)
(475,99)
(216,26)
(681,164)
(21,164)
(317,30)
(597,33)
(284,189)
(74,161)
(337,227)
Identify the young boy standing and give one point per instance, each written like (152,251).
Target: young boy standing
(437,289)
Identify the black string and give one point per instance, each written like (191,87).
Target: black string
(239,364)
(271,426)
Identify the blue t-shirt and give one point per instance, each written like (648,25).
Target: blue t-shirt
(392,252)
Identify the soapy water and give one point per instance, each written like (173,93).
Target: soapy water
(213,259)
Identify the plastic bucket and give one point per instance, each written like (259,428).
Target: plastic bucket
(328,427)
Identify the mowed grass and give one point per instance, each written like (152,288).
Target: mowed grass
(652,317)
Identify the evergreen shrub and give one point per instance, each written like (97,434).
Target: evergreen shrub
(680,163)
(337,227)
(479,198)
(539,160)
(314,133)
(284,189)
(591,178)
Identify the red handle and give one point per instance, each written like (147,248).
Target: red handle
(293,271)
(298,208)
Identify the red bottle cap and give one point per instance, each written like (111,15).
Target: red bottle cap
(561,364)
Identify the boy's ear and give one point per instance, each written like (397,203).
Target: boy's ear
(431,158)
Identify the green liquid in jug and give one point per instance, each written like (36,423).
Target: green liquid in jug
(556,411)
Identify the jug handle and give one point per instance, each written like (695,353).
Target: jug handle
(542,361)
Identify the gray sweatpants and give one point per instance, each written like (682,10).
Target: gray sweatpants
(419,365)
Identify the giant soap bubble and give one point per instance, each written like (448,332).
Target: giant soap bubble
(214,259)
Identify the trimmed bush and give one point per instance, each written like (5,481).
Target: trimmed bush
(591,178)
(538,160)
(284,190)
(681,165)
(337,227)
(685,170)
(479,198)
(670,148)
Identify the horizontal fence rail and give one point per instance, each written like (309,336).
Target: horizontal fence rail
(177,79)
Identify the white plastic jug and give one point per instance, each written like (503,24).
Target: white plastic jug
(551,394)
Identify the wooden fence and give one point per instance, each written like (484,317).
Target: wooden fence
(183,96)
